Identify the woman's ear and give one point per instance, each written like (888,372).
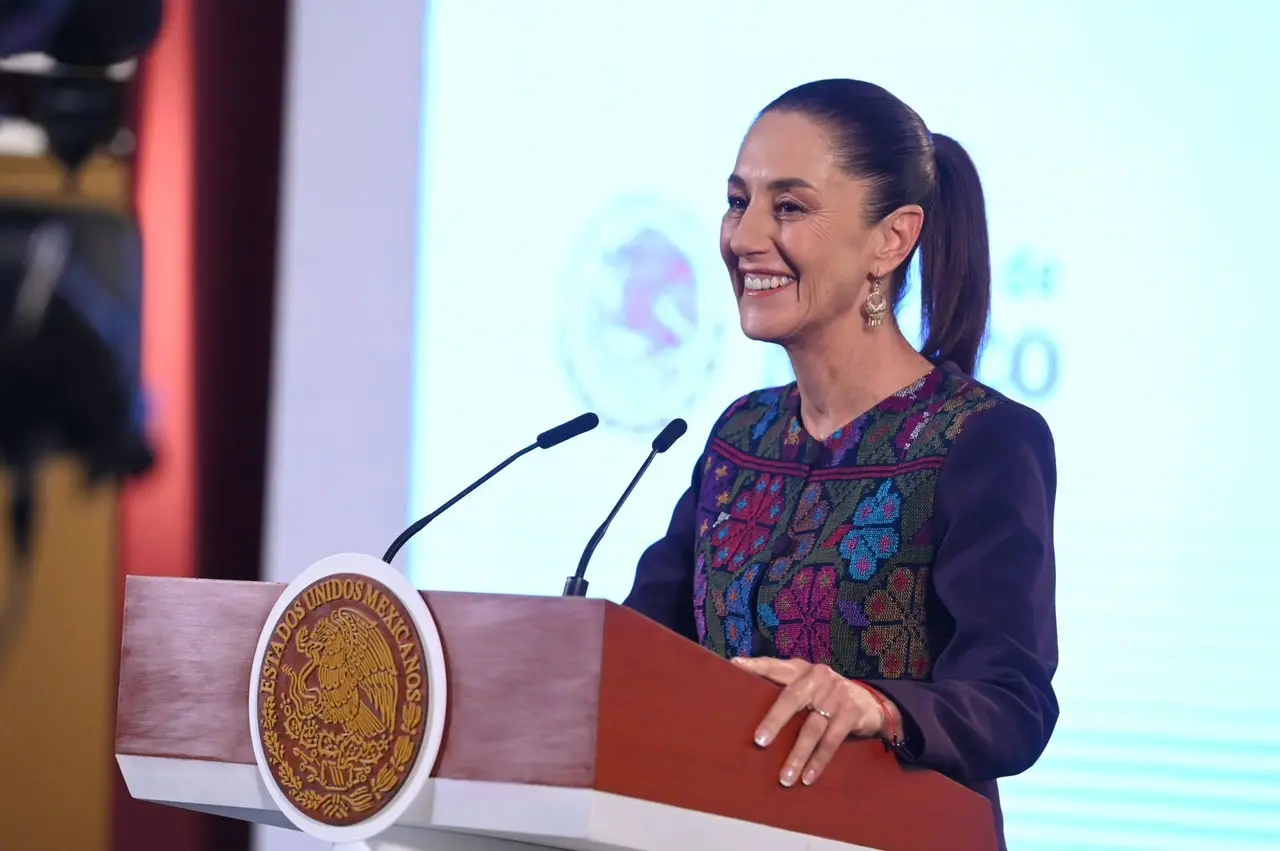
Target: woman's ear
(898,234)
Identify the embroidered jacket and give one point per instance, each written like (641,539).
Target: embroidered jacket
(912,549)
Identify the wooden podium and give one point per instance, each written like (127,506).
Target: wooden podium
(568,723)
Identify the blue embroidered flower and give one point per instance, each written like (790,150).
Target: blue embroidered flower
(767,615)
(866,549)
(884,506)
(874,537)
(738,623)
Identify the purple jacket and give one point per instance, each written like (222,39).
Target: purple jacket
(912,550)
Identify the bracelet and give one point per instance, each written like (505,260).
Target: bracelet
(894,736)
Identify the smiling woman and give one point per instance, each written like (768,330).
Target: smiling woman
(876,537)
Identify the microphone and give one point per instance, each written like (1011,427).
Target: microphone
(576,585)
(549,438)
(580,424)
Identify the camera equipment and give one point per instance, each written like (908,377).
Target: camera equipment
(70,277)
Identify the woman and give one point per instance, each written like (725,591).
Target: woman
(877,536)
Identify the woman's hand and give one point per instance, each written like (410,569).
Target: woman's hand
(838,708)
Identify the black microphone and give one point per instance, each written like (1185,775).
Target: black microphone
(576,585)
(549,438)
(565,431)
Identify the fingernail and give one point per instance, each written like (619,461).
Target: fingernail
(762,738)
(809,777)
(788,777)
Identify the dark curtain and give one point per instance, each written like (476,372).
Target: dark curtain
(238,67)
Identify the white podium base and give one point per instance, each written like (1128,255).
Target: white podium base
(472,815)
(433,840)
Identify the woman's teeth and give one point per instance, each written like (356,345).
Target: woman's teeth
(757,283)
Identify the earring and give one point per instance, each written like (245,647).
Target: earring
(876,305)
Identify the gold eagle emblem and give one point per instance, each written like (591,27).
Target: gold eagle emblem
(355,672)
(341,699)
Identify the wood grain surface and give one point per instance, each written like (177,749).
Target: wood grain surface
(523,677)
(552,691)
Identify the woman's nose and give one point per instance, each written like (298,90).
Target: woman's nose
(752,233)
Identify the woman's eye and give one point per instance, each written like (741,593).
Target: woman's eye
(789,208)
(737,203)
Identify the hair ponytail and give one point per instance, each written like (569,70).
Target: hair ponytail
(880,139)
(955,261)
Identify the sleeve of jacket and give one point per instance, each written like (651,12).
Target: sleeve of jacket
(663,587)
(990,708)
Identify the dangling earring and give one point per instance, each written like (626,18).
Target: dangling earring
(876,306)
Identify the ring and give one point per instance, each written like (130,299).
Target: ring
(824,713)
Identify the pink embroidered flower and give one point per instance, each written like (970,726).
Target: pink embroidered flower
(803,613)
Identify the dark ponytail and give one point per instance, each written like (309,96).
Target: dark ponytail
(955,261)
(882,140)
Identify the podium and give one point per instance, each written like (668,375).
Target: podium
(482,721)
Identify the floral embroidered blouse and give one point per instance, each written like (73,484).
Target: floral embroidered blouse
(912,549)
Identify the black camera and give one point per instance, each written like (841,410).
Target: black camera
(70,275)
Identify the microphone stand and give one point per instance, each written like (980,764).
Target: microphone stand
(421,523)
(576,585)
(580,424)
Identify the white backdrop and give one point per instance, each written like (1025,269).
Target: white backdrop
(1127,157)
